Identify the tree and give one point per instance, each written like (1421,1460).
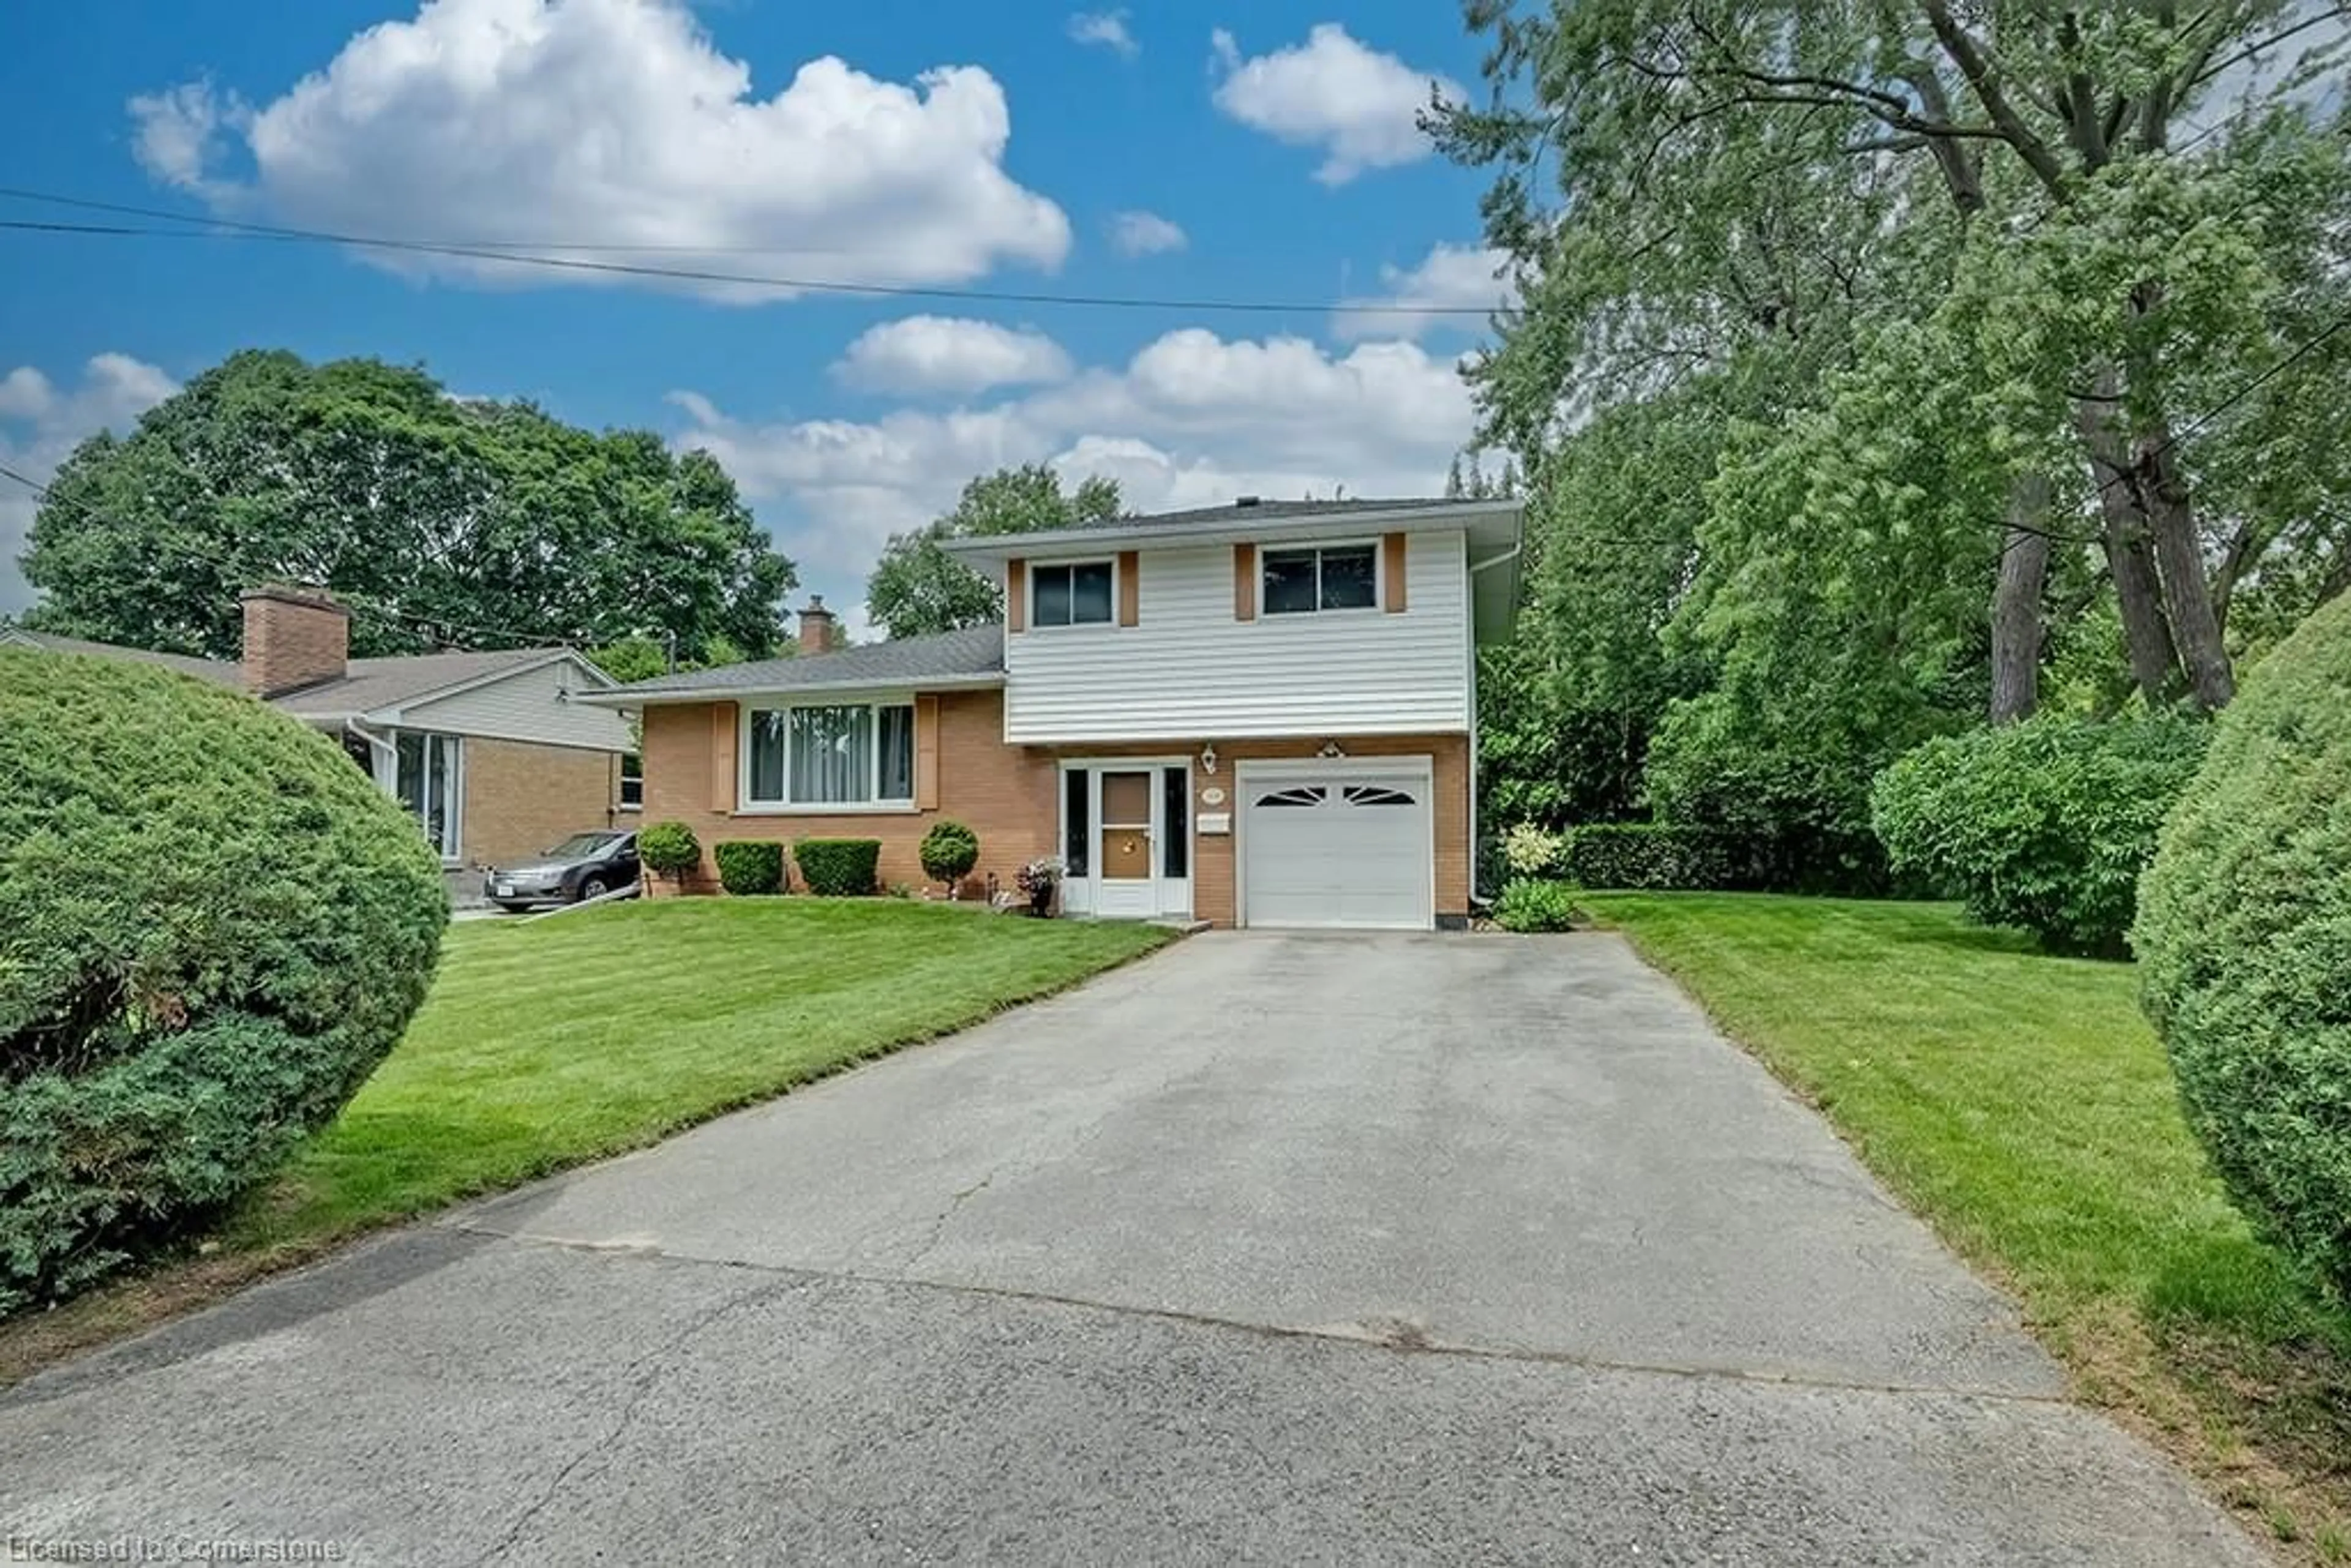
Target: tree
(918,588)
(1694,144)
(444,522)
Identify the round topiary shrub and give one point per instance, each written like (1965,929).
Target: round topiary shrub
(212,927)
(2045,825)
(949,850)
(749,867)
(2244,944)
(670,849)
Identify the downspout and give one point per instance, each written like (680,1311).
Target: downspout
(383,749)
(1479,898)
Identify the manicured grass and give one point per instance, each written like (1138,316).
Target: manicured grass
(547,1044)
(2020,1105)
(544,1045)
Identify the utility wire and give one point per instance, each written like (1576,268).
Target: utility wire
(513,255)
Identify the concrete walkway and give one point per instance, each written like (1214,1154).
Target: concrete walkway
(1291,1249)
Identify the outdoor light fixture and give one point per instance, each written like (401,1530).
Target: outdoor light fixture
(1331,748)
(1209,758)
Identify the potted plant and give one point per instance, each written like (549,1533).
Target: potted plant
(1038,879)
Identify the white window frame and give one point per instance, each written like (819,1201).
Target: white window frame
(623,803)
(1029,622)
(745,805)
(452,850)
(1379,576)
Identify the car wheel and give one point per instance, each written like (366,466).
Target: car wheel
(594,887)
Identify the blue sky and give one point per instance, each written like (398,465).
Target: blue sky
(1183,151)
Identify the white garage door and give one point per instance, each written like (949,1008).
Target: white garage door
(1339,849)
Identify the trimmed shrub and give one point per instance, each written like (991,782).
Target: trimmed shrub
(2045,825)
(212,927)
(2244,944)
(670,849)
(839,867)
(1531,849)
(949,852)
(1653,856)
(749,867)
(1530,904)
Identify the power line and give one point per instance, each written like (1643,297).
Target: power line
(513,254)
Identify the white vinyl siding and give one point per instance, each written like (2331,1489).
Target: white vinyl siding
(530,705)
(1188,668)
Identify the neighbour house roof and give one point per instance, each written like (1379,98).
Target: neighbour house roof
(215,670)
(972,657)
(373,685)
(367,685)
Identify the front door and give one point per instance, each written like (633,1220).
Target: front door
(1125,845)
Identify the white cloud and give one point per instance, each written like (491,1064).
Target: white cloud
(1357,104)
(1144,234)
(950,354)
(41,424)
(1414,300)
(619,122)
(1105,29)
(1192,419)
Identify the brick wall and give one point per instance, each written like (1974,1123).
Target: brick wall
(521,799)
(1007,795)
(294,637)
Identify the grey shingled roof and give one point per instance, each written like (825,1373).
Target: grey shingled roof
(367,685)
(978,652)
(214,670)
(1260,511)
(370,685)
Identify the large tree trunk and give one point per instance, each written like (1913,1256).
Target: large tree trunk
(2147,631)
(2180,559)
(2016,617)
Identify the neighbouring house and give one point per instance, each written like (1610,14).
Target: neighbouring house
(493,754)
(1255,715)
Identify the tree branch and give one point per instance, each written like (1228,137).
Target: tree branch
(1968,56)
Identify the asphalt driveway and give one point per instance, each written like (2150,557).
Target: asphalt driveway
(1313,1249)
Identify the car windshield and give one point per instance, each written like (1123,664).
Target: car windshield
(580,846)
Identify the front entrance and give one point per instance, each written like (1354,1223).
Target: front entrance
(1127,838)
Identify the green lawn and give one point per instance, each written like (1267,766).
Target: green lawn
(2020,1103)
(549,1043)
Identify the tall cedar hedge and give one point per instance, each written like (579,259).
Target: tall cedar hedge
(2244,944)
(212,927)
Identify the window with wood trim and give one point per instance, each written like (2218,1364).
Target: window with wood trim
(1076,594)
(847,753)
(1320,577)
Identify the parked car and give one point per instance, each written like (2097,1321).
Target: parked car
(585,865)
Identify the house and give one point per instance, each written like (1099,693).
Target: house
(1255,715)
(493,753)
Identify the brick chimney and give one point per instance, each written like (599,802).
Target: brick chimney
(818,635)
(294,637)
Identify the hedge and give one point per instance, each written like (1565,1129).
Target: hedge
(212,927)
(2045,825)
(749,867)
(839,867)
(670,849)
(2244,944)
(1654,855)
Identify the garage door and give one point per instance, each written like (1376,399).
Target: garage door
(1342,849)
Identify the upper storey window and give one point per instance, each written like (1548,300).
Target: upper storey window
(1324,576)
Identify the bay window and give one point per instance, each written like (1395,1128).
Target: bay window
(830,755)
